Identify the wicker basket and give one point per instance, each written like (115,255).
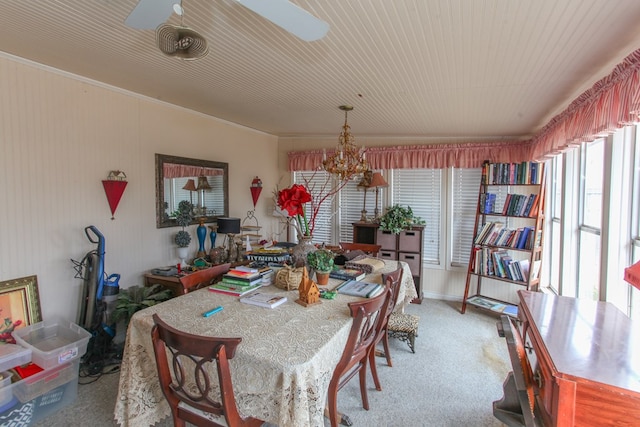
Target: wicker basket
(288,278)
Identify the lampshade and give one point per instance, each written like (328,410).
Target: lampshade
(190,185)
(632,275)
(377,180)
(228,225)
(203,184)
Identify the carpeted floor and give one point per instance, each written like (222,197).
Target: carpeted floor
(451,380)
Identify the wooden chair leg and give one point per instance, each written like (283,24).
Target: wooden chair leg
(387,353)
(363,385)
(374,369)
(332,405)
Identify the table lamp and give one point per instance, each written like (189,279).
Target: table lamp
(377,181)
(230,227)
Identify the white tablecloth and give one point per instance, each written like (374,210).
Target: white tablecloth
(282,368)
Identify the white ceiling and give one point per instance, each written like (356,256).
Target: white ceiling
(426,68)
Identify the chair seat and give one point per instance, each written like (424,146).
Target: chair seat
(404,326)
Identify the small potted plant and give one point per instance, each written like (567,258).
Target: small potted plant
(183,216)
(322,262)
(398,218)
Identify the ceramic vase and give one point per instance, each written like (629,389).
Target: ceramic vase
(299,252)
(183,253)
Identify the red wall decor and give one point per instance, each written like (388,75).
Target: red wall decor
(114,187)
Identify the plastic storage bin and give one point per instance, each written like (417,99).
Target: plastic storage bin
(12,355)
(40,395)
(53,343)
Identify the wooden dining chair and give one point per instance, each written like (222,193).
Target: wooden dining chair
(201,278)
(210,396)
(393,281)
(367,248)
(366,316)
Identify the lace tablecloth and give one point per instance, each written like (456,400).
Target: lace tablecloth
(281,369)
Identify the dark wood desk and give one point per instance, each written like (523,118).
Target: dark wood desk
(585,358)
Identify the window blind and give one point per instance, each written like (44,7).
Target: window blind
(421,189)
(464,203)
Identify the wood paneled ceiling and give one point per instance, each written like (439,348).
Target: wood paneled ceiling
(411,68)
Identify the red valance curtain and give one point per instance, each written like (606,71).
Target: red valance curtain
(611,103)
(172,170)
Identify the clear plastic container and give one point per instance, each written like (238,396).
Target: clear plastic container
(12,355)
(53,343)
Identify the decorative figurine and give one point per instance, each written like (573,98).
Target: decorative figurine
(308,291)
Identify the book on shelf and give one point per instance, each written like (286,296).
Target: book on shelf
(358,288)
(493,305)
(231,289)
(263,300)
(347,274)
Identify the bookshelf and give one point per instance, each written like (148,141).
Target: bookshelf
(508,235)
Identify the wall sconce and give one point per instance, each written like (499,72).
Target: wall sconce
(114,187)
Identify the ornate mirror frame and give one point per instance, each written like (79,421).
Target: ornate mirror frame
(162,219)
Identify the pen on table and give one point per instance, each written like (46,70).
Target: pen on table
(212,312)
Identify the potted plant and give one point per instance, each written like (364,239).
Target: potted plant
(322,262)
(398,218)
(183,216)
(135,298)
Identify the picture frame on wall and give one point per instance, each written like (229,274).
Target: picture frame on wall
(19,306)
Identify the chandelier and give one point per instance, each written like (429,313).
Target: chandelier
(348,160)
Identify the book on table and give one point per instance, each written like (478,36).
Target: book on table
(358,288)
(241,282)
(263,300)
(231,289)
(347,274)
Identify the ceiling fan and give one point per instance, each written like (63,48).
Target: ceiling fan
(148,14)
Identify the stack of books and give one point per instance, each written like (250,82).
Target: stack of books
(238,281)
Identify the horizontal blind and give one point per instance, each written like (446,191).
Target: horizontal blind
(351,202)
(465,188)
(421,189)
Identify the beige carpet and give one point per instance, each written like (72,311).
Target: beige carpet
(451,380)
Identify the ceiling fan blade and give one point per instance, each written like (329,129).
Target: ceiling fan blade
(290,17)
(148,14)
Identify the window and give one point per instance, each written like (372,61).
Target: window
(555,202)
(421,189)
(591,183)
(465,184)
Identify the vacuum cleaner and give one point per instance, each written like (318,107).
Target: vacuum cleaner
(98,300)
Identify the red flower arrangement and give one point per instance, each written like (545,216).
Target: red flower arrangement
(302,201)
(293,200)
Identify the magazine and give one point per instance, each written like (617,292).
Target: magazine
(263,300)
(360,289)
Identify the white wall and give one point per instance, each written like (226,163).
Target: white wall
(60,135)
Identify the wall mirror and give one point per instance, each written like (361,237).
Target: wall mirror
(204,183)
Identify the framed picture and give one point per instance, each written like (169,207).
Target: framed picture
(19,306)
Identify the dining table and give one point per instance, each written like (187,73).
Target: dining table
(281,369)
